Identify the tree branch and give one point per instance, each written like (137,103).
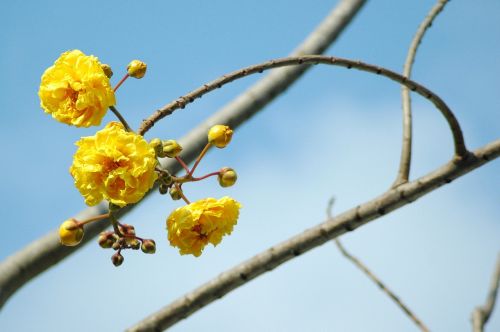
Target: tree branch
(481,314)
(371,276)
(404,165)
(460,149)
(382,286)
(313,237)
(41,254)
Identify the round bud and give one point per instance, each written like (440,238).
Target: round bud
(134,243)
(165,178)
(163,188)
(117,259)
(220,136)
(148,246)
(136,69)
(106,240)
(156,144)
(117,245)
(127,229)
(107,70)
(171,148)
(175,193)
(227,177)
(70,233)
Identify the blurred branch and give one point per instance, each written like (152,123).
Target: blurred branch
(481,314)
(404,165)
(268,88)
(45,252)
(374,278)
(313,237)
(460,149)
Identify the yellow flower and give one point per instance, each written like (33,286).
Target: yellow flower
(192,227)
(76,90)
(220,136)
(115,165)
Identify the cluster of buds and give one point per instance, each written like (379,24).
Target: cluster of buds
(124,239)
(218,136)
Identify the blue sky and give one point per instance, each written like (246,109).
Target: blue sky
(336,132)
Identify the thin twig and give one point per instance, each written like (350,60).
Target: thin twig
(382,286)
(404,164)
(45,252)
(460,149)
(121,118)
(313,237)
(481,314)
(374,278)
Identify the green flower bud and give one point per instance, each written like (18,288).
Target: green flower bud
(156,144)
(227,177)
(107,70)
(163,188)
(175,193)
(171,148)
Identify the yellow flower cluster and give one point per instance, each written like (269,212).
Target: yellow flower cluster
(76,90)
(192,227)
(115,165)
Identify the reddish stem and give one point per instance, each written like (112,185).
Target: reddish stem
(183,164)
(205,176)
(202,154)
(121,82)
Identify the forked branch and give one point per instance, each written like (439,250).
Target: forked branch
(404,165)
(313,237)
(481,314)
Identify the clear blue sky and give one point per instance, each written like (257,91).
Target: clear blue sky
(336,132)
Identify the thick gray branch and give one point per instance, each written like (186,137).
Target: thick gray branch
(313,237)
(481,314)
(45,252)
(404,165)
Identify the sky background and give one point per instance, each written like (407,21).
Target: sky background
(336,132)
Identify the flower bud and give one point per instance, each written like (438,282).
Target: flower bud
(148,246)
(106,240)
(171,148)
(107,70)
(175,193)
(156,144)
(117,259)
(70,233)
(117,245)
(136,69)
(134,243)
(227,177)
(163,188)
(220,136)
(165,178)
(127,229)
